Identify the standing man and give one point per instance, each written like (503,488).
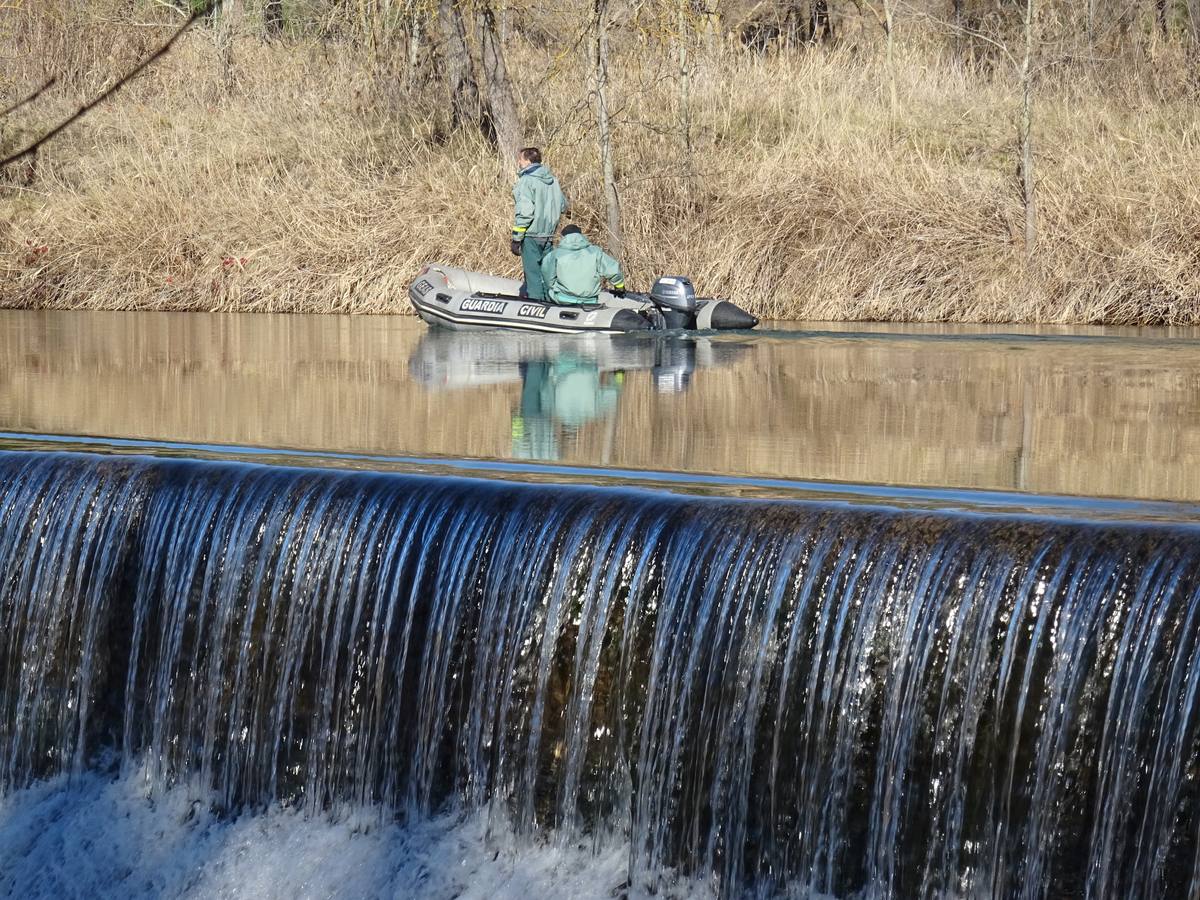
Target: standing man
(540,203)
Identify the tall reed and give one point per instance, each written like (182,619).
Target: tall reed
(319,184)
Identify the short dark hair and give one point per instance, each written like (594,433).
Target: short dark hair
(533,154)
(572,229)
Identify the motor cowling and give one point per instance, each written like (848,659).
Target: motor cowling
(676,297)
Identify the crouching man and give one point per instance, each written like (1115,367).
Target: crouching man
(576,269)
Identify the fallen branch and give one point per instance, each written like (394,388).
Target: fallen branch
(108,92)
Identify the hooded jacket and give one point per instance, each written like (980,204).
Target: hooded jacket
(539,203)
(575,270)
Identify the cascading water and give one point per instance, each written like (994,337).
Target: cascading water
(773,697)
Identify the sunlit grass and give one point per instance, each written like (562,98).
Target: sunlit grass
(315,187)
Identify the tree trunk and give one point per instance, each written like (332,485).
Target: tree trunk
(616,240)
(370,26)
(819,28)
(273,18)
(229,24)
(1160,15)
(465,103)
(890,25)
(957,29)
(685,111)
(416,42)
(501,98)
(1193,9)
(1027,175)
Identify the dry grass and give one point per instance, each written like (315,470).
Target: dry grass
(315,187)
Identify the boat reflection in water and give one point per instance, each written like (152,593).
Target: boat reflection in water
(567,382)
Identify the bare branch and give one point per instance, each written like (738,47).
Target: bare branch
(108,92)
(171,6)
(953,28)
(37,93)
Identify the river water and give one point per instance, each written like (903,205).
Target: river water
(312,607)
(1097,412)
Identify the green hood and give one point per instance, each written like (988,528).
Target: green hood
(540,172)
(573,242)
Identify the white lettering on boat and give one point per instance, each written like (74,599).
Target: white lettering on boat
(474,304)
(532,311)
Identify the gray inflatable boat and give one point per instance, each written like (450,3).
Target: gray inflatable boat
(469,301)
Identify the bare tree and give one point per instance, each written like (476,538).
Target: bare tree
(229,23)
(1027,174)
(685,112)
(820,26)
(466,106)
(481,91)
(501,98)
(416,40)
(889,27)
(612,201)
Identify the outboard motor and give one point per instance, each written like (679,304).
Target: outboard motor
(675,296)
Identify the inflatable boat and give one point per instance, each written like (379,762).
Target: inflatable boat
(470,301)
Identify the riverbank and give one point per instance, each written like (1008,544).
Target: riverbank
(312,186)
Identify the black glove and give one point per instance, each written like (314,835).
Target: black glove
(617,292)
(515,247)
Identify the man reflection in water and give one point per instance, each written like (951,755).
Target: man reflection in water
(567,392)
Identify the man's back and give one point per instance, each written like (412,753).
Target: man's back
(539,202)
(575,270)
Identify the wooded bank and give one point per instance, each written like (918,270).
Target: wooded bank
(981,161)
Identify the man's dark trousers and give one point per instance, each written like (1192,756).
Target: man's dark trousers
(533,251)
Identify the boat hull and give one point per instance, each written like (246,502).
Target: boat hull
(452,298)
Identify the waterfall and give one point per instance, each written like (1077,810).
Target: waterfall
(773,696)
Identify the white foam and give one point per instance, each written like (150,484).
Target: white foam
(98,837)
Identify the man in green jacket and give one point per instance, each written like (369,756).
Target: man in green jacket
(575,270)
(539,203)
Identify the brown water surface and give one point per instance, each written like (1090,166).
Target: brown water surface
(1098,412)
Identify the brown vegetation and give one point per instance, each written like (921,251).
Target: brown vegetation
(835,176)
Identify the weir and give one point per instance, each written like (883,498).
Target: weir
(771,696)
